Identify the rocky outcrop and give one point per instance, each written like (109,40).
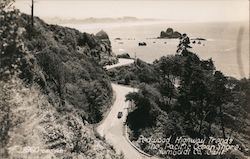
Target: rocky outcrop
(170,34)
(106,55)
(102,35)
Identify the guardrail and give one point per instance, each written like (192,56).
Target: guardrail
(125,133)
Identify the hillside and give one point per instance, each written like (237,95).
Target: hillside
(62,59)
(181,95)
(53,87)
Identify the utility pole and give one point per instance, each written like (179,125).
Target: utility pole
(32,13)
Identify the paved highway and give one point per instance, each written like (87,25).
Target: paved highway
(112,127)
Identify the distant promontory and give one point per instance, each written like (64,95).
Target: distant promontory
(170,34)
(91,20)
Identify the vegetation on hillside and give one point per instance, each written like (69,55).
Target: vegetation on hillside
(59,60)
(183,95)
(52,86)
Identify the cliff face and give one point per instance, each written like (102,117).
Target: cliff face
(52,87)
(106,54)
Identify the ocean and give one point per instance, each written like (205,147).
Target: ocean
(227,43)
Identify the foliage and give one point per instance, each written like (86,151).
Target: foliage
(141,72)
(144,114)
(28,119)
(184,95)
(58,59)
(5,117)
(5,4)
(11,47)
(71,88)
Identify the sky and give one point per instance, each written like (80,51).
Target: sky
(178,10)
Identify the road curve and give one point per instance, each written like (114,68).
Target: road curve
(112,127)
(121,62)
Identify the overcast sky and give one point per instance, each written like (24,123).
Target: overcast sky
(180,10)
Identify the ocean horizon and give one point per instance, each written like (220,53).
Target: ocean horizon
(221,41)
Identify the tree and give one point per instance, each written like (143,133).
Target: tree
(184,43)
(5,4)
(11,45)
(146,102)
(194,99)
(220,96)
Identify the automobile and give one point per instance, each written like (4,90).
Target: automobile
(142,44)
(119,115)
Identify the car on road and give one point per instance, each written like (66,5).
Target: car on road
(119,115)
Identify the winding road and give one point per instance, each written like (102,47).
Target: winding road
(112,128)
(121,62)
